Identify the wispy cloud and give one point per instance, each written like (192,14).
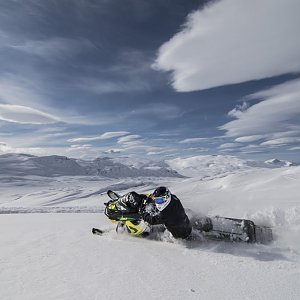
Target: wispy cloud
(253,149)
(128,138)
(56,47)
(192,140)
(158,110)
(25,115)
(282,141)
(275,119)
(18,90)
(202,140)
(232,41)
(104,136)
(135,143)
(250,138)
(129,72)
(229,145)
(117,85)
(5,148)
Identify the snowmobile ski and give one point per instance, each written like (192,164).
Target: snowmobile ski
(113,195)
(97,231)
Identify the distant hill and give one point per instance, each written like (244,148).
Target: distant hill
(279,163)
(50,166)
(121,167)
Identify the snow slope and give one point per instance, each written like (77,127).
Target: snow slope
(54,255)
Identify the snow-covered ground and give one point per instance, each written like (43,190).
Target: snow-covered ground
(49,255)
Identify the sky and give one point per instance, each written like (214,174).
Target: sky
(154,79)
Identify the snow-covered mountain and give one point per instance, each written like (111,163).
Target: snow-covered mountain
(51,166)
(111,168)
(279,163)
(207,165)
(204,166)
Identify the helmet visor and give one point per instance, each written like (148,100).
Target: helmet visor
(160,200)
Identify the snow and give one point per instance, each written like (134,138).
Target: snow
(48,252)
(279,163)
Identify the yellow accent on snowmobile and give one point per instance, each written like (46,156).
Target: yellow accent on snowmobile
(136,229)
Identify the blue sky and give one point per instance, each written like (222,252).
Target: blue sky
(160,78)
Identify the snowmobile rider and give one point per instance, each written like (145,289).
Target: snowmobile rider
(170,213)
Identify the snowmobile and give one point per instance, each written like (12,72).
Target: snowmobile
(129,220)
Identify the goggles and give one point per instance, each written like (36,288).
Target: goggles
(160,200)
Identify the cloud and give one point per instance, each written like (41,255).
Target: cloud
(201,139)
(104,136)
(129,71)
(251,138)
(276,119)
(133,144)
(238,110)
(229,145)
(25,115)
(56,47)
(159,110)
(165,152)
(253,149)
(4,148)
(281,141)
(80,146)
(128,138)
(193,140)
(101,86)
(233,41)
(19,91)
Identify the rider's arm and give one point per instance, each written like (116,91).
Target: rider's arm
(153,219)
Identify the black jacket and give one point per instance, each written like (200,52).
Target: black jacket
(173,217)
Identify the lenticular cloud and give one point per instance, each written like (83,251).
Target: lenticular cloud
(233,41)
(24,115)
(276,116)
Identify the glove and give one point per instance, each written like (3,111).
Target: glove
(145,215)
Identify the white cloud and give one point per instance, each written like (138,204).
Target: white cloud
(281,141)
(19,91)
(104,136)
(134,144)
(128,138)
(276,117)
(4,148)
(80,146)
(165,152)
(229,145)
(193,140)
(252,149)
(249,139)
(31,92)
(238,110)
(209,140)
(232,41)
(25,115)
